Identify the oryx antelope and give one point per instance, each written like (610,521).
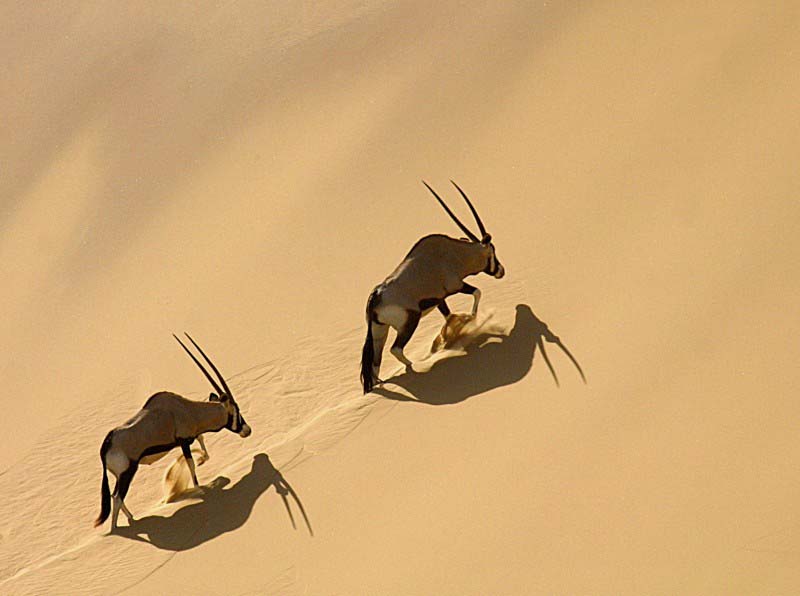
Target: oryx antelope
(434,269)
(166,420)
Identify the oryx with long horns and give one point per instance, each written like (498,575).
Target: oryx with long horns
(434,269)
(166,420)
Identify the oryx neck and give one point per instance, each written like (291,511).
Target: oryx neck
(212,416)
(475,257)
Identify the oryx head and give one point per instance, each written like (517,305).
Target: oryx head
(223,394)
(493,266)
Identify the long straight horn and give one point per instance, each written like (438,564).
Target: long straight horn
(471,208)
(464,228)
(200,366)
(221,379)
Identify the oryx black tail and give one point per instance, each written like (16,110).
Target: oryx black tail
(368,352)
(105,493)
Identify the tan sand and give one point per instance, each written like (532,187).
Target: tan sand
(247,172)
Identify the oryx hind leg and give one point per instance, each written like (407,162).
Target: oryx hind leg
(123,484)
(127,513)
(379,334)
(404,333)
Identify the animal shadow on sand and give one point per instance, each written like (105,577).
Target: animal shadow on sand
(491,360)
(219,511)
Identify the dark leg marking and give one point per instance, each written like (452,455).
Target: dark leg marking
(125,479)
(428,303)
(467,289)
(439,303)
(404,335)
(476,296)
(186,447)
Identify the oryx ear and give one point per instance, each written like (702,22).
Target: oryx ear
(487,238)
(213,397)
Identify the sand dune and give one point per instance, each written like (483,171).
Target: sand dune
(248,172)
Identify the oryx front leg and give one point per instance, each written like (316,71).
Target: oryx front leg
(404,334)
(476,296)
(187,454)
(204,456)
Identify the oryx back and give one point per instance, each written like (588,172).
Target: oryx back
(432,270)
(186,418)
(149,432)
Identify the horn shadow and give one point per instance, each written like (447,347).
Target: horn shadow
(485,366)
(220,510)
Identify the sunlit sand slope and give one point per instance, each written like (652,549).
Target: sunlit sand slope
(248,172)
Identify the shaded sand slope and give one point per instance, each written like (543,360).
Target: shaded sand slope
(248,173)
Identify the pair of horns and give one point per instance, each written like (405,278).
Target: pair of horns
(205,372)
(484,236)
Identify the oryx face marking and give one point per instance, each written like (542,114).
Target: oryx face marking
(235,422)
(493,265)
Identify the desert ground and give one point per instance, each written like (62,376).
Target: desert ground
(247,172)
